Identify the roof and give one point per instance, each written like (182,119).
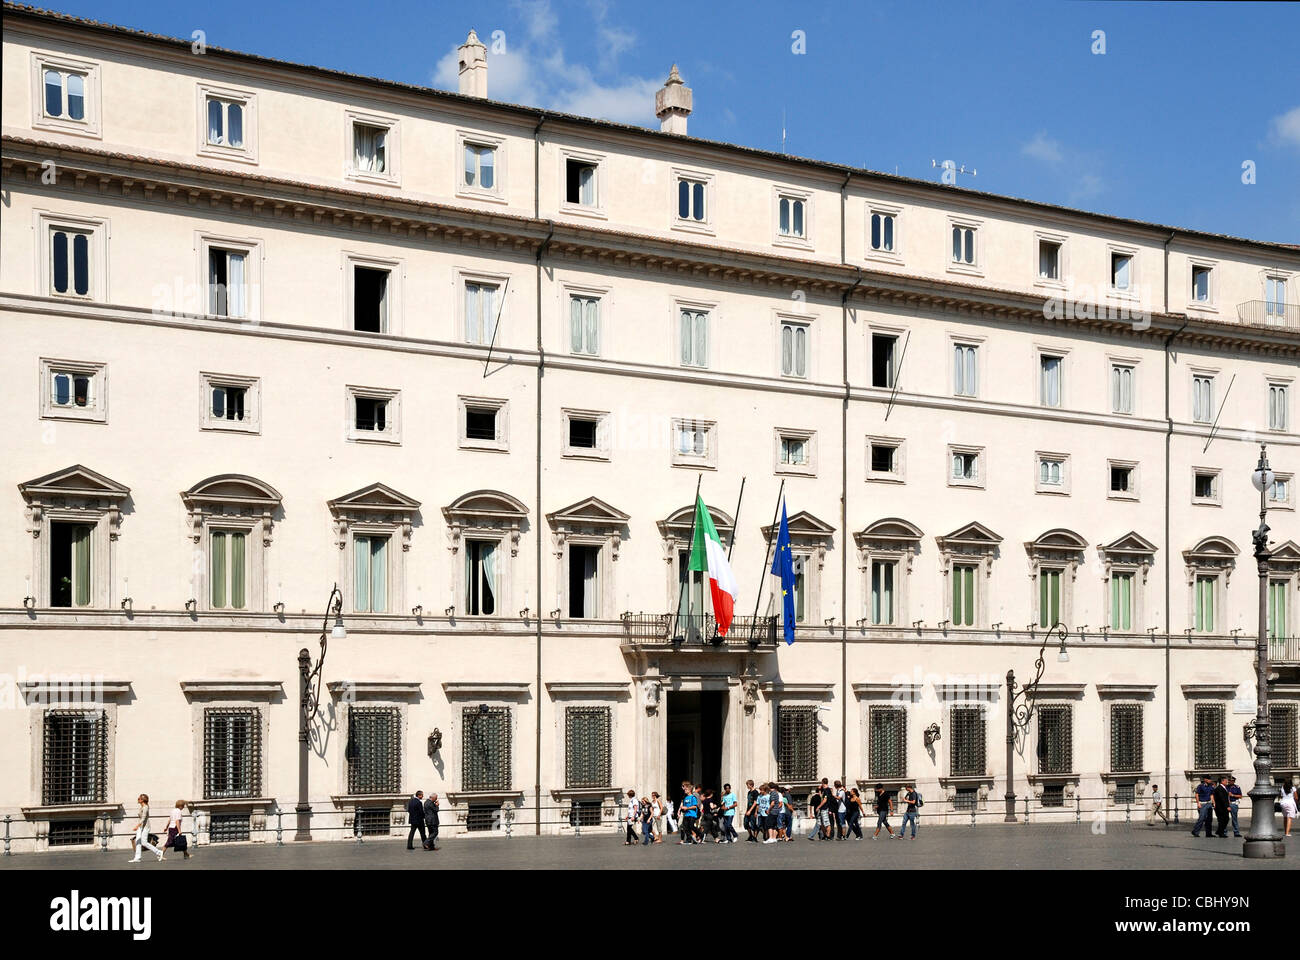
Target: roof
(27,12)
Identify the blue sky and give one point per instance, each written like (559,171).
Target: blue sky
(1156,128)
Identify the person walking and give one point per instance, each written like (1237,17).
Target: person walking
(140,840)
(729,834)
(1158,805)
(1234,803)
(751,797)
(1204,806)
(854,816)
(1222,805)
(912,802)
(631,818)
(431,820)
(690,814)
(841,812)
(884,807)
(1290,802)
(415,817)
(176,838)
(710,808)
(670,821)
(647,822)
(657,813)
(763,813)
(785,816)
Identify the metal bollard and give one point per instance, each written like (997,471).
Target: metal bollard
(1026,820)
(1128,812)
(1175,808)
(279,828)
(972,815)
(1078,809)
(7,819)
(105,834)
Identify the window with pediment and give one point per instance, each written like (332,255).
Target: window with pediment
(1054,560)
(966,560)
(372,529)
(231,521)
(685,593)
(886,550)
(1126,563)
(483,531)
(810,538)
(1209,567)
(585,538)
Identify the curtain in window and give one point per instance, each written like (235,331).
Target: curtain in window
(235,285)
(1049,597)
(1202,398)
(794,350)
(1201,285)
(237,571)
(798,218)
(378,574)
(964,372)
(882,593)
(1121,601)
(488,558)
(785,216)
(694,338)
(480,312)
(368,148)
(590,559)
(1205,604)
(218,570)
(584,325)
(1047,261)
(76,96)
(1051,381)
(1277,406)
(1121,381)
(963,596)
(214,121)
(81,564)
(361,574)
(1277,621)
(486,162)
(1120,269)
(587,186)
(235,124)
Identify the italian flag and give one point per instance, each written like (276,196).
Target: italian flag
(708,555)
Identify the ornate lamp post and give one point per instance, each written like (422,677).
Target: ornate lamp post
(309,679)
(1020,708)
(1262,840)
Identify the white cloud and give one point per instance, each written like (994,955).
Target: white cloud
(533,69)
(1045,149)
(1286,127)
(1067,164)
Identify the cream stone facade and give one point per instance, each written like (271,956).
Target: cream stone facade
(269,328)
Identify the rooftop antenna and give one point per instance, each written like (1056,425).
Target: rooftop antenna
(950,170)
(783,129)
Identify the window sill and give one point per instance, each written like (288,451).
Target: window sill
(232,803)
(884,478)
(884,256)
(1119,776)
(376,179)
(1052,493)
(368,799)
(795,243)
(49,811)
(966,484)
(486,196)
(969,270)
(91,416)
(483,796)
(585,793)
(78,128)
(390,441)
(252,428)
(1205,503)
(581,210)
(488,446)
(695,465)
(595,456)
(703,228)
(792,471)
(218,152)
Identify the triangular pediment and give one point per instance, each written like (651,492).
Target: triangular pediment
(891,528)
(590,511)
(486,504)
(1131,542)
(804,524)
(973,532)
(1288,552)
(232,488)
(1058,539)
(75,481)
(375,496)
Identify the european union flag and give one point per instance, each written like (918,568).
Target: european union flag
(783,567)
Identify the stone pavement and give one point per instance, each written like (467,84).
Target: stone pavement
(994,846)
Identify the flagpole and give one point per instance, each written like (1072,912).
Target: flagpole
(691,543)
(735,520)
(758,594)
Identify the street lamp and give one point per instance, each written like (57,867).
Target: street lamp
(1262,840)
(309,679)
(1020,707)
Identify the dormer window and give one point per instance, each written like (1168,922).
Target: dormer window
(65,92)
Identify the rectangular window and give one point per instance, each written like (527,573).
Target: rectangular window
(69,833)
(485,748)
(794,350)
(227,296)
(1202,398)
(371,414)
(229,570)
(965,466)
(369,148)
(800,590)
(1049,597)
(70,564)
(480,312)
(1209,743)
(1278,406)
(370,299)
(1275,299)
(580,182)
(1121,388)
(794,451)
(584,325)
(1049,260)
(582,433)
(965,370)
(967,743)
(882,232)
(963,245)
(1121,601)
(65,94)
(694,338)
(796,747)
(231,753)
(587,737)
(1205,589)
(1205,485)
(1200,284)
(225,123)
(480,423)
(690,199)
(481,577)
(480,166)
(74,757)
(228,403)
(1121,267)
(883,365)
(790,217)
(370,574)
(964,582)
(1051,473)
(1122,480)
(887,746)
(70,262)
(1277,618)
(692,439)
(1049,380)
(70,390)
(1280,491)
(374,750)
(883,573)
(1126,738)
(1284,738)
(1055,740)
(584,581)
(884,458)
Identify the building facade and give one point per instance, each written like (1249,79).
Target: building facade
(270,328)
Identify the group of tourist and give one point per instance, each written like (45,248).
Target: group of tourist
(768,814)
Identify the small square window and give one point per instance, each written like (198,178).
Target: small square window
(1279,494)
(695,444)
(480,423)
(1205,486)
(231,403)
(966,468)
(691,196)
(66,93)
(585,434)
(374,415)
(73,390)
(792,217)
(227,124)
(580,182)
(885,459)
(1053,473)
(882,458)
(965,253)
(483,424)
(480,167)
(883,230)
(1123,481)
(795,452)
(582,433)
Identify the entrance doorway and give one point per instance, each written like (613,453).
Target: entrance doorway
(696,719)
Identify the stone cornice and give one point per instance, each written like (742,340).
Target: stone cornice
(257,196)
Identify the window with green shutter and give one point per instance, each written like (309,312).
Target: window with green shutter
(1049,597)
(1277,618)
(229,570)
(963,595)
(1205,595)
(882,591)
(1121,601)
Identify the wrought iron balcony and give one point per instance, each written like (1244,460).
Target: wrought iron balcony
(698,631)
(1269,313)
(1284,650)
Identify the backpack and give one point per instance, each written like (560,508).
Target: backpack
(920,801)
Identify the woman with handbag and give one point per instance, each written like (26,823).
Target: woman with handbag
(141,840)
(1290,801)
(175,838)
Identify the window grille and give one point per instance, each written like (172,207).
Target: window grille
(68,833)
(967,799)
(1054,795)
(373,821)
(228,828)
(485,748)
(76,744)
(967,758)
(1055,739)
(1208,741)
(585,813)
(1125,793)
(1282,736)
(796,755)
(374,750)
(1126,737)
(586,746)
(232,753)
(888,746)
(482,817)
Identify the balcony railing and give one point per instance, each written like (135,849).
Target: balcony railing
(698,630)
(1284,649)
(1269,313)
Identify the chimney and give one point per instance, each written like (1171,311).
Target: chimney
(473,67)
(673,104)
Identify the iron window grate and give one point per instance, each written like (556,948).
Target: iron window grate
(73,758)
(1125,793)
(1053,795)
(485,748)
(1055,739)
(68,833)
(585,813)
(481,817)
(796,755)
(228,828)
(1126,737)
(1282,736)
(888,742)
(967,757)
(967,799)
(232,752)
(1209,743)
(373,821)
(587,746)
(374,750)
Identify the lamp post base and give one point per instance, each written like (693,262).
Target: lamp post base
(1263,849)
(1011,808)
(304,822)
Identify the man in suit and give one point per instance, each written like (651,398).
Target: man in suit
(415,817)
(431,821)
(1222,803)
